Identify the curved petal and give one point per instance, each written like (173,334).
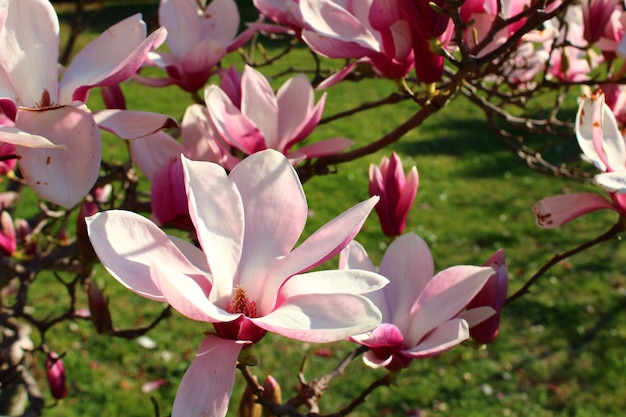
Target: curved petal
(30,51)
(220,21)
(446,294)
(347,281)
(614,182)
(188,293)
(326,147)
(555,211)
(206,388)
(386,334)
(442,338)
(10,134)
(259,104)
(52,173)
(218,215)
(334,48)
(321,318)
(153,152)
(409,266)
(130,124)
(182,22)
(111,58)
(295,104)
(231,124)
(275,212)
(322,245)
(127,243)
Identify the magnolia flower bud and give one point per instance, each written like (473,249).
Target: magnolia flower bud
(99,309)
(272,393)
(55,372)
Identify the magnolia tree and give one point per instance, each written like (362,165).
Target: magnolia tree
(229,175)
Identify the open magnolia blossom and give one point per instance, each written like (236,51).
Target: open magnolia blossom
(257,118)
(602,143)
(245,279)
(421,310)
(55,134)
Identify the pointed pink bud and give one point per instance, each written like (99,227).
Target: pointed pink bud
(8,158)
(113,97)
(272,391)
(396,192)
(55,372)
(26,237)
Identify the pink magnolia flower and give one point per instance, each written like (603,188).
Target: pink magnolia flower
(268,120)
(8,237)
(245,279)
(493,295)
(55,134)
(396,192)
(283,12)
(353,29)
(604,24)
(197,40)
(420,309)
(602,143)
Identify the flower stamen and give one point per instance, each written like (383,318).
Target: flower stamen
(240,303)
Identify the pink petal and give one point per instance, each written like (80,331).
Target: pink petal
(220,21)
(557,210)
(128,243)
(52,173)
(321,318)
(111,58)
(386,334)
(275,212)
(259,104)
(442,338)
(231,124)
(30,51)
(325,147)
(295,104)
(333,48)
(325,243)
(206,388)
(182,22)
(348,281)
(10,134)
(129,124)
(409,266)
(614,182)
(153,152)
(188,293)
(445,295)
(217,212)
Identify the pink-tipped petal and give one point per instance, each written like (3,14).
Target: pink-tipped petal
(555,211)
(445,295)
(442,338)
(217,212)
(52,173)
(259,104)
(30,44)
(322,318)
(325,243)
(153,152)
(325,147)
(127,244)
(295,103)
(129,124)
(275,204)
(206,388)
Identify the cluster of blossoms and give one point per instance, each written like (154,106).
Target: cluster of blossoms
(231,178)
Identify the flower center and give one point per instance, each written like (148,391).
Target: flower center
(239,303)
(46,101)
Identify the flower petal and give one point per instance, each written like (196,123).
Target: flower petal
(555,211)
(445,295)
(127,243)
(322,245)
(30,50)
(275,212)
(153,152)
(217,212)
(322,318)
(206,388)
(326,147)
(259,104)
(109,59)
(347,281)
(52,173)
(614,182)
(443,337)
(129,124)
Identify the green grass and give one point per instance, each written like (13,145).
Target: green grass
(561,347)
